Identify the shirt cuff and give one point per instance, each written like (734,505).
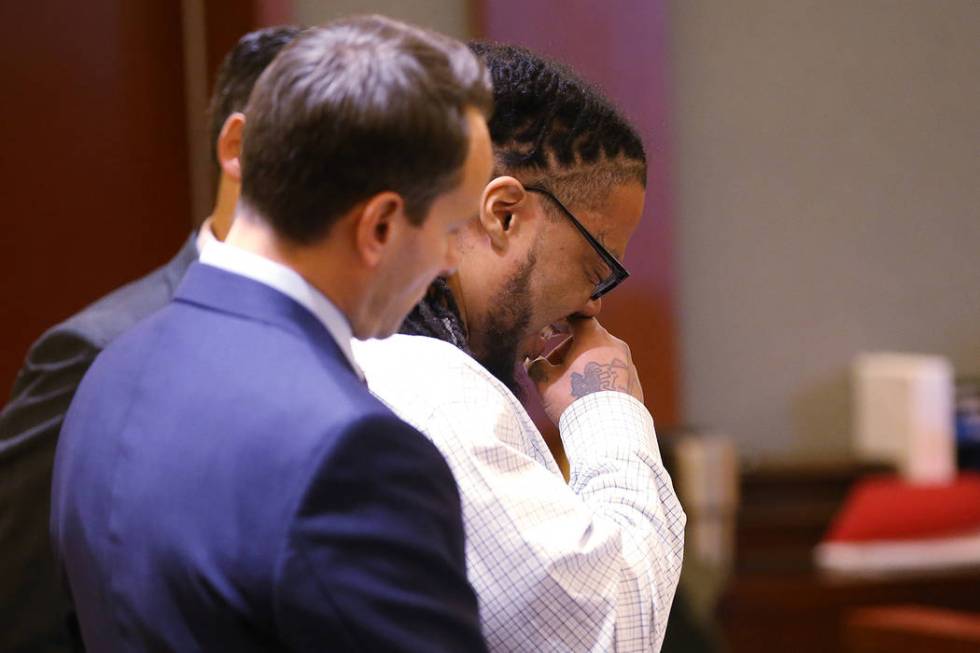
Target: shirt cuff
(613,423)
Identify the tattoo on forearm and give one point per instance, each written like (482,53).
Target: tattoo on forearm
(608,376)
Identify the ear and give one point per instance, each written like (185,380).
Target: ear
(375,223)
(229,145)
(501,214)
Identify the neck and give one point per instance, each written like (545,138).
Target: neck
(252,234)
(224,207)
(456,288)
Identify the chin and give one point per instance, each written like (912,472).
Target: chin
(384,331)
(369,331)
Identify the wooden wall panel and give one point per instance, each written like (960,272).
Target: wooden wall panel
(227,20)
(94,163)
(95,166)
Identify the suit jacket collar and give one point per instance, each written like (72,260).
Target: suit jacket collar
(174,270)
(219,290)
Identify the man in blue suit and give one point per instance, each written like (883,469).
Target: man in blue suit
(224,480)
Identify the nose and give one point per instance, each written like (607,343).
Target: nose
(591,308)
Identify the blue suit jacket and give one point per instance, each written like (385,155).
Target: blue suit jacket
(224,481)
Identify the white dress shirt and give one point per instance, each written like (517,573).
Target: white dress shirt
(590,565)
(205,236)
(285,280)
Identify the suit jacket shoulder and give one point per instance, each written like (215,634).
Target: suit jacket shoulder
(103,320)
(86,333)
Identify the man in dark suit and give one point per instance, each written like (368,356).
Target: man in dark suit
(224,480)
(33,608)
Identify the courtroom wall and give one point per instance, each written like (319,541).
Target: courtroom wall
(827,201)
(448,16)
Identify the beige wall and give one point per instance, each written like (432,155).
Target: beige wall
(827,185)
(447,16)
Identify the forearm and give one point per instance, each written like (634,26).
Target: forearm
(616,469)
(592,567)
(570,584)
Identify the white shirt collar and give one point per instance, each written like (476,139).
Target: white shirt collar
(285,280)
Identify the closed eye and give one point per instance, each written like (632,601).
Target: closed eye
(593,276)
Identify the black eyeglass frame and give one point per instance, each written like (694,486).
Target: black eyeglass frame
(619,273)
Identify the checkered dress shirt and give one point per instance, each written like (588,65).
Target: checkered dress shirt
(590,565)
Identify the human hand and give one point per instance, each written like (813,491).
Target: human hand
(589,360)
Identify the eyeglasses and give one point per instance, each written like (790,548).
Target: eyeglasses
(617,273)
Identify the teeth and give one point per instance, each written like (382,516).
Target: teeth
(555,329)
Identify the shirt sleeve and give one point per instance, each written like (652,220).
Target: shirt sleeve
(615,464)
(591,565)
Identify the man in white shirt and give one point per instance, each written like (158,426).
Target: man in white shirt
(591,564)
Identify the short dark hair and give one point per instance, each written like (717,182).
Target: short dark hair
(354,108)
(237,74)
(550,123)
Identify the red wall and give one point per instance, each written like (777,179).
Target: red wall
(94,165)
(94,157)
(622,47)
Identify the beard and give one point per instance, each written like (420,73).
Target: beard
(506,327)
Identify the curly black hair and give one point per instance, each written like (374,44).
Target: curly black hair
(551,128)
